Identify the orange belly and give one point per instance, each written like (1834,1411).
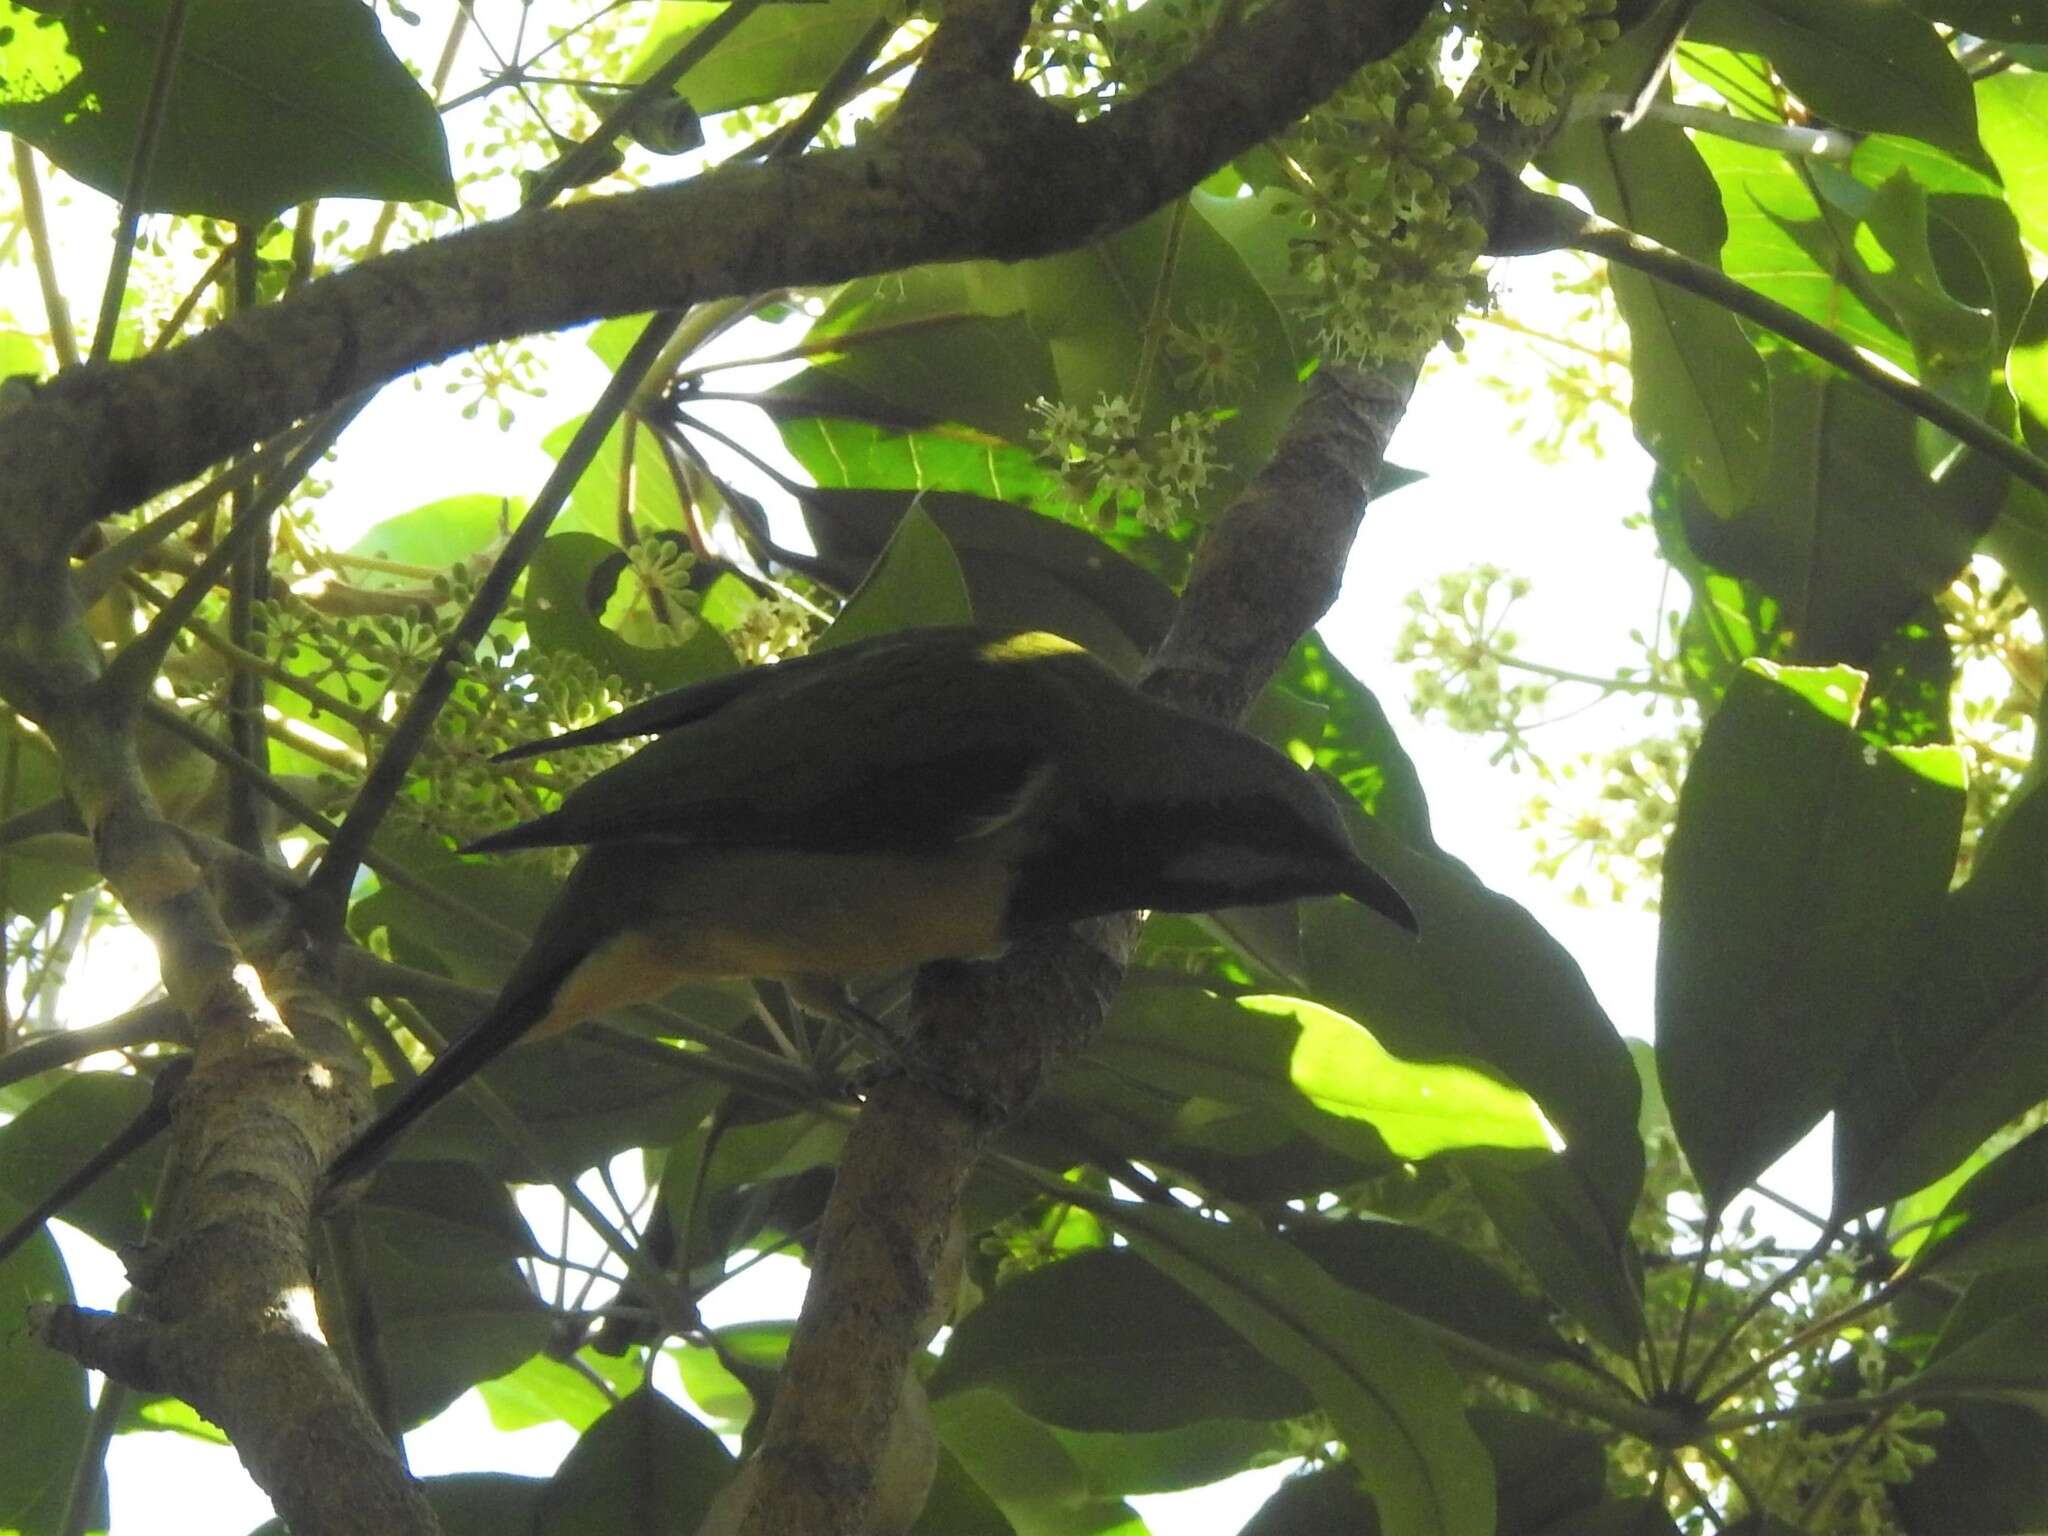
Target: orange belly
(779,915)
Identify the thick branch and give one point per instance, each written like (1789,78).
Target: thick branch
(982,170)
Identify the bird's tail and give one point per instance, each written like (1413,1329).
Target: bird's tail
(516,1011)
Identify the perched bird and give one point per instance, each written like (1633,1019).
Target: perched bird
(917,796)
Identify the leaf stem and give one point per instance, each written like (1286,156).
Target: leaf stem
(140,161)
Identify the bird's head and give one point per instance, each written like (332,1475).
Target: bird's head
(1199,816)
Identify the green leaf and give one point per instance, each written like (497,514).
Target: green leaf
(584,1097)
(780,50)
(1989,1474)
(1317,1503)
(46,1406)
(548,1391)
(722,1396)
(1357,744)
(743,1155)
(1104,1342)
(441,533)
(1022,570)
(2026,371)
(1485,984)
(956,1506)
(1803,872)
(1548,1215)
(1850,535)
(1327,1074)
(1874,67)
(1544,1470)
(1700,403)
(1952,342)
(946,343)
(2007,1361)
(1779,244)
(51,1139)
(1093,306)
(1025,1470)
(2013,107)
(594,502)
(917,582)
(270,106)
(1393,1400)
(567,587)
(1998,1220)
(646,1467)
(1434,1279)
(452,1306)
(1964,1048)
(38,872)
(483,1503)
(1124,1465)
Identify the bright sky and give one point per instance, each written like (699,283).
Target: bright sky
(1486,500)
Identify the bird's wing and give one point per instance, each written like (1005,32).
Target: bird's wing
(698,701)
(914,794)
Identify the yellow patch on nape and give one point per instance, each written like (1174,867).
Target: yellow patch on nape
(1029,646)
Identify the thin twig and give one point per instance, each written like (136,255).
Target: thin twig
(55,309)
(572,166)
(327,892)
(147,131)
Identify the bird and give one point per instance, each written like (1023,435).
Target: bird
(919,795)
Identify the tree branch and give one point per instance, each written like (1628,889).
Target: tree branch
(988,171)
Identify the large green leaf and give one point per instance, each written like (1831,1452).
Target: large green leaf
(1022,570)
(451,1305)
(1779,244)
(646,1467)
(1124,1465)
(1434,1279)
(1849,535)
(1026,1470)
(2026,371)
(1700,403)
(1356,743)
(483,1503)
(1964,1048)
(1548,1215)
(46,1407)
(916,582)
(441,533)
(56,1135)
(1104,1342)
(595,504)
(1997,1220)
(1989,1475)
(780,50)
(1097,306)
(567,587)
(1873,66)
(1316,1504)
(1544,1470)
(2007,1361)
(1393,1400)
(1803,873)
(2013,106)
(271,105)
(947,343)
(1486,985)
